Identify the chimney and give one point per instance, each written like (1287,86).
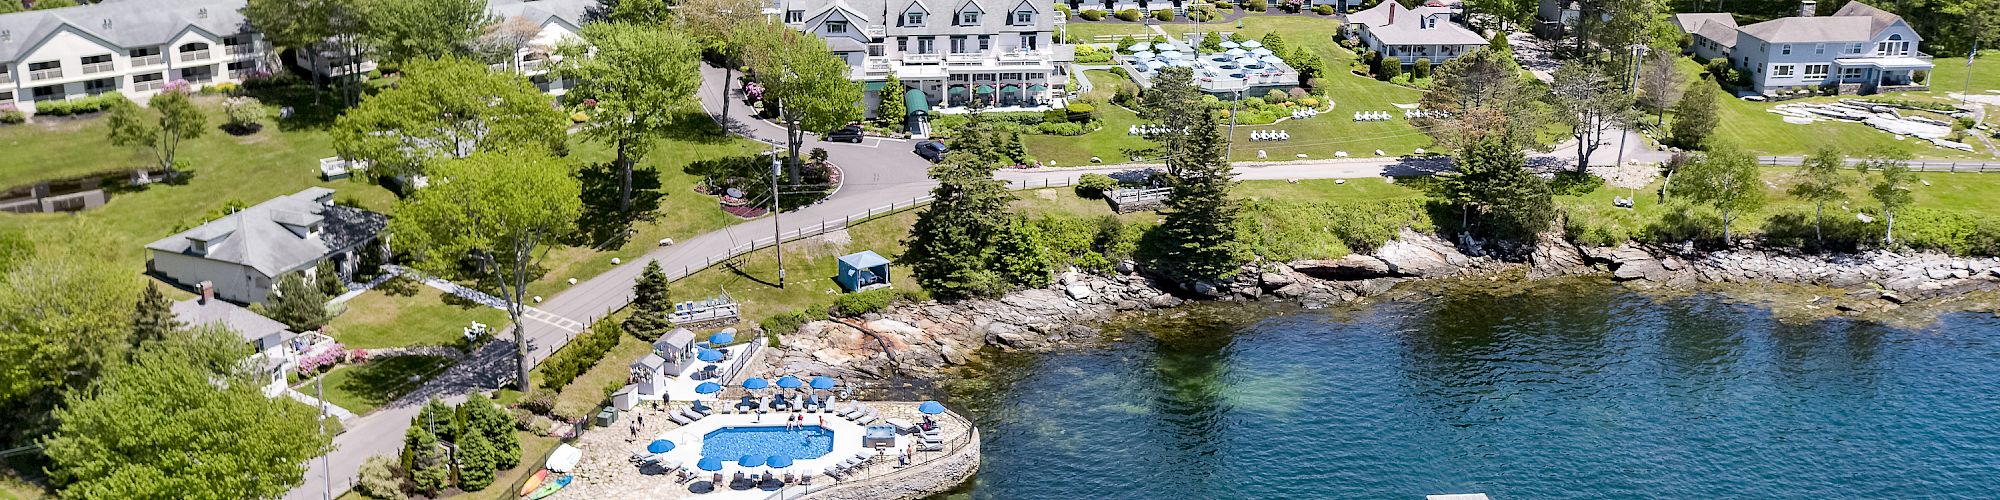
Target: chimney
(1392,13)
(207,291)
(107,23)
(1808,8)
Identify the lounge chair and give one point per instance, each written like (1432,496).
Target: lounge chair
(703,409)
(678,418)
(691,414)
(826,404)
(739,478)
(931,446)
(834,472)
(849,411)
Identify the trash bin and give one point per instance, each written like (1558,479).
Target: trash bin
(607,417)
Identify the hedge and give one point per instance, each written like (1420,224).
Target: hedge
(582,353)
(1164,15)
(1129,15)
(1092,14)
(90,104)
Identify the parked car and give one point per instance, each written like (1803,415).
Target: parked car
(850,133)
(931,150)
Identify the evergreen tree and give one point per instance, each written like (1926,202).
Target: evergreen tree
(1822,180)
(1176,103)
(479,415)
(1018,255)
(1196,239)
(890,110)
(1726,179)
(327,277)
(298,305)
(424,460)
(1493,181)
(153,319)
(650,304)
(438,418)
(476,462)
(1696,116)
(949,248)
(1275,42)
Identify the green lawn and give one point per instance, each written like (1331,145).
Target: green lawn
(404,313)
(1750,126)
(1088,31)
(1949,75)
(809,269)
(1964,193)
(588,390)
(362,388)
(1311,189)
(1109,143)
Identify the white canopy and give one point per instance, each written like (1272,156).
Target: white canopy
(565,458)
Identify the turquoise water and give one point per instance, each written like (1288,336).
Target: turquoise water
(1571,390)
(730,443)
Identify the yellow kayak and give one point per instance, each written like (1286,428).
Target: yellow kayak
(534,482)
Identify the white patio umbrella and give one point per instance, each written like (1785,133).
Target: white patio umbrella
(1261,51)
(1236,52)
(1252,44)
(1140,47)
(1229,44)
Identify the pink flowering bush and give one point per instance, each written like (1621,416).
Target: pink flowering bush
(755,91)
(324,359)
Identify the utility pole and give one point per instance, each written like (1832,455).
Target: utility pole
(1230,147)
(325,462)
(777,235)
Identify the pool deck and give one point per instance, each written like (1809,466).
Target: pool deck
(606,472)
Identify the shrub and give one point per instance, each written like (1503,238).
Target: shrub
(1293,230)
(582,353)
(1163,15)
(245,114)
(1257,6)
(10,115)
(541,404)
(1063,129)
(1310,102)
(1323,9)
(1390,70)
(1093,14)
(859,303)
(1421,70)
(1129,15)
(1081,112)
(379,479)
(1094,186)
(85,105)
(1276,96)
(1573,183)
(784,323)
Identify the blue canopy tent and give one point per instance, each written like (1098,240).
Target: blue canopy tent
(863,271)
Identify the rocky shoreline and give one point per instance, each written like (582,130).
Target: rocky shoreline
(923,341)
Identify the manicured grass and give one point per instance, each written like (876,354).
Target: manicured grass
(362,388)
(1967,193)
(809,266)
(1313,189)
(1750,126)
(1109,143)
(410,314)
(1949,75)
(1088,31)
(1105,84)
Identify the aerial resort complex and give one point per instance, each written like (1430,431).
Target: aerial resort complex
(999,249)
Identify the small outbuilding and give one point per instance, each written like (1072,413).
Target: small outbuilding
(866,270)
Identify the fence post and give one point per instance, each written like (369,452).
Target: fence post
(1954,167)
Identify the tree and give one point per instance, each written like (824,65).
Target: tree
(64,316)
(299,305)
(153,318)
(1593,104)
(485,216)
(948,252)
(445,109)
(1420,70)
(1477,94)
(1493,181)
(806,82)
(1519,12)
(1892,187)
(1822,179)
(650,304)
(1274,41)
(425,461)
(1196,239)
(480,415)
(1391,68)
(11,6)
(639,77)
(315,25)
(53,4)
(714,22)
(1726,180)
(407,30)
(378,479)
(176,120)
(1211,42)
(652,13)
(1696,116)
(181,421)
(1661,84)
(890,108)
(475,462)
(327,278)
(1019,256)
(1308,63)
(502,42)
(1175,103)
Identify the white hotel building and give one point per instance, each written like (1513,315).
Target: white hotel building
(945,52)
(137,46)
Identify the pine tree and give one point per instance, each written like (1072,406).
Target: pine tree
(327,278)
(650,304)
(153,319)
(479,415)
(425,461)
(1696,116)
(949,249)
(476,462)
(299,306)
(1196,239)
(1176,103)
(1493,181)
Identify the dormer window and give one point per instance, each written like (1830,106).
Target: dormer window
(795,16)
(199,247)
(968,18)
(1024,17)
(836,26)
(913,19)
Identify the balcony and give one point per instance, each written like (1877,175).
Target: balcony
(239,49)
(964,57)
(95,68)
(45,74)
(874,31)
(148,86)
(6,78)
(876,64)
(922,58)
(195,55)
(534,65)
(152,60)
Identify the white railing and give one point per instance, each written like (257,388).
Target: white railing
(197,55)
(922,58)
(877,63)
(6,78)
(1975,167)
(146,86)
(46,74)
(238,49)
(95,68)
(152,60)
(874,31)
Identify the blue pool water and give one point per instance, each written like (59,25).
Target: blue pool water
(731,443)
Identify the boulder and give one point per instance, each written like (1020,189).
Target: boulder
(1079,292)
(1292,291)
(1126,266)
(1630,262)
(1555,257)
(1351,267)
(1275,280)
(1422,255)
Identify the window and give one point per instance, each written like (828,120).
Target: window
(836,26)
(149,81)
(1024,17)
(100,86)
(968,18)
(1785,49)
(985,42)
(958,45)
(239,44)
(1855,48)
(6,97)
(240,69)
(1851,74)
(902,45)
(194,51)
(1819,48)
(49,93)
(148,56)
(97,64)
(1817,71)
(913,19)
(1893,47)
(1027,41)
(795,16)
(1781,70)
(927,45)
(45,70)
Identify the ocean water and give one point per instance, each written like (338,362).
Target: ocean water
(1567,390)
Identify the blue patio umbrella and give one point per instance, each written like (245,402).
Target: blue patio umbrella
(750,460)
(823,383)
(756,383)
(709,355)
(721,338)
(790,382)
(778,461)
(708,388)
(931,408)
(709,464)
(659,446)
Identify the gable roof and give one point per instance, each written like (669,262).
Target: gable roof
(1691,22)
(133,23)
(254,328)
(1393,24)
(881,11)
(1812,29)
(257,237)
(1878,19)
(571,12)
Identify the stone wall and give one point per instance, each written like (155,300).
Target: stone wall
(922,480)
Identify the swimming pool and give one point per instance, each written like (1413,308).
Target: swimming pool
(731,443)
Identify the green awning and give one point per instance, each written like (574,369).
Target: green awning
(1010,89)
(958,89)
(985,89)
(916,102)
(1037,88)
(873,86)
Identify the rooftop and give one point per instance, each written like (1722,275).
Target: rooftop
(256,329)
(279,235)
(121,23)
(1394,24)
